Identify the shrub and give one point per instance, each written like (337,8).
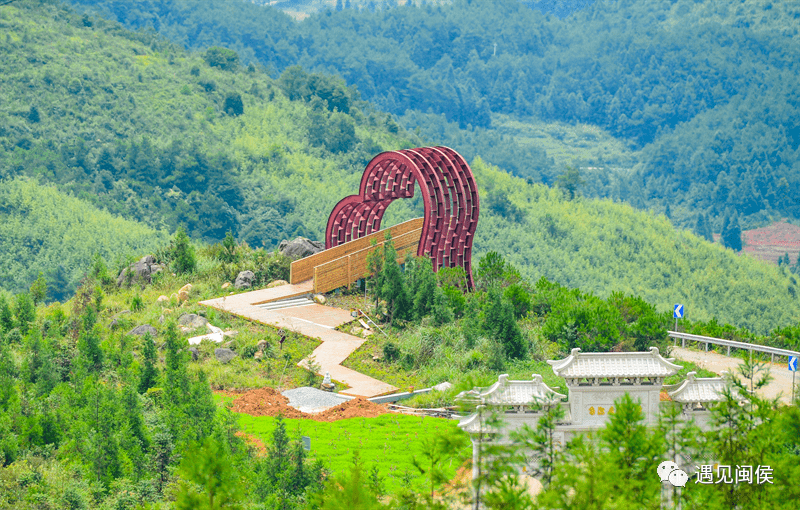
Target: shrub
(223,58)
(390,352)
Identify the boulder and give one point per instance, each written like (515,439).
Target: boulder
(244,280)
(224,355)
(143,330)
(261,345)
(183,295)
(162,300)
(442,386)
(186,288)
(142,271)
(277,283)
(226,285)
(320,299)
(300,248)
(195,353)
(192,320)
(114,324)
(258,355)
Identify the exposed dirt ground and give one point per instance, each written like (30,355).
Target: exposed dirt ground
(717,363)
(269,402)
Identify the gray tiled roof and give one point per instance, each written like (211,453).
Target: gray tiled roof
(695,389)
(513,393)
(614,364)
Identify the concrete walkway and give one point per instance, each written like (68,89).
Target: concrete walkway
(314,321)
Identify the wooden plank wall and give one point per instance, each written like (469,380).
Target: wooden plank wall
(349,268)
(303,269)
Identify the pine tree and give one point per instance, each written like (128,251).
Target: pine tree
(183,253)
(149,377)
(375,269)
(630,452)
(421,286)
(6,316)
(702,228)
(393,286)
(709,232)
(210,467)
(732,234)
(541,442)
(176,388)
(25,312)
(350,490)
(38,289)
(499,324)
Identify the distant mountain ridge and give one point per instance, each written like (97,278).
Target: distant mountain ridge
(705,91)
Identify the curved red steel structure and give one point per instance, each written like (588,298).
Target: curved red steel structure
(448,191)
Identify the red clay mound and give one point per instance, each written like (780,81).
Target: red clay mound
(359,407)
(264,402)
(269,402)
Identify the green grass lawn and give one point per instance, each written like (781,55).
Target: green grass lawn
(390,441)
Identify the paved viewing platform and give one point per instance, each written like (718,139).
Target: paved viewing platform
(311,320)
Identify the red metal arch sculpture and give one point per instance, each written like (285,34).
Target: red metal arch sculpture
(448,191)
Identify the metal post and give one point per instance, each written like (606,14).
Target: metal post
(792,401)
(729,351)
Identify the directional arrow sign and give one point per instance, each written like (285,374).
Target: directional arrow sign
(677,313)
(793,363)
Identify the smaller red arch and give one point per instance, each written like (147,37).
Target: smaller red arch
(449,194)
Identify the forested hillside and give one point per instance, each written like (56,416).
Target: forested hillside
(602,246)
(58,236)
(707,90)
(203,142)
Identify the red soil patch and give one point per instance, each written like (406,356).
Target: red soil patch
(261,449)
(269,402)
(772,242)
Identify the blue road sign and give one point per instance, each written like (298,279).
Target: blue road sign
(677,313)
(793,363)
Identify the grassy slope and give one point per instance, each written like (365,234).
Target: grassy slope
(389,441)
(41,228)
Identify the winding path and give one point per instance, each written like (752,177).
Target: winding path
(311,320)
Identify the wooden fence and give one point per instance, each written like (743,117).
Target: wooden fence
(349,268)
(303,269)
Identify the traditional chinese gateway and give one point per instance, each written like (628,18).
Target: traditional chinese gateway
(594,381)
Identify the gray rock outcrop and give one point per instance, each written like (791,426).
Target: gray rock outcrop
(142,271)
(224,355)
(300,248)
(195,353)
(244,280)
(143,330)
(192,320)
